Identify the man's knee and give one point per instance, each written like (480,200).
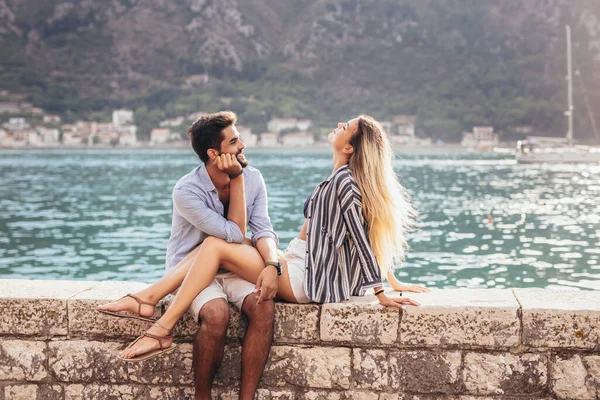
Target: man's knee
(262,313)
(214,316)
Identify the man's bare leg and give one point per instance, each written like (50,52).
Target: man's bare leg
(209,345)
(257,343)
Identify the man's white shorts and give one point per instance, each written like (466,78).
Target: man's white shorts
(228,286)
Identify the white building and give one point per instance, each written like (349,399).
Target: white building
(278,125)
(172,122)
(159,136)
(16,124)
(127,139)
(405,125)
(72,139)
(48,135)
(246,135)
(269,139)
(482,138)
(121,118)
(297,139)
(51,119)
(9,108)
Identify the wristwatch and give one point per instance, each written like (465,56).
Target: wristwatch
(277,266)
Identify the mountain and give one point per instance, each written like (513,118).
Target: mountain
(453,63)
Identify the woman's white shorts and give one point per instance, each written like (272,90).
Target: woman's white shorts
(295,256)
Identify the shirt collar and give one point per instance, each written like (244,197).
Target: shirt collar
(205,181)
(343,167)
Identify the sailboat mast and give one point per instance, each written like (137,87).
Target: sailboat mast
(570,108)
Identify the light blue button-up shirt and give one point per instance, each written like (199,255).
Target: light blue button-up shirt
(198,213)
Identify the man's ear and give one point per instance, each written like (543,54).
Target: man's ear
(212,154)
(348,149)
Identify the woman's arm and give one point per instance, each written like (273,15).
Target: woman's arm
(401,287)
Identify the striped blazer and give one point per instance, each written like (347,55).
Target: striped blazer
(339,259)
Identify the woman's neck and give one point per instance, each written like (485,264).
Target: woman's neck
(340,161)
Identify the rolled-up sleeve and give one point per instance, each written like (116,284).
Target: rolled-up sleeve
(193,207)
(259,220)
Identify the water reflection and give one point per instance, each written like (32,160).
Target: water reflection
(485,221)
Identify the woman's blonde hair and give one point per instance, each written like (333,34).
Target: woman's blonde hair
(385,203)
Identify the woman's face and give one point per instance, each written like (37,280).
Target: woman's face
(340,136)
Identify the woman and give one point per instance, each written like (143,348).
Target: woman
(355,227)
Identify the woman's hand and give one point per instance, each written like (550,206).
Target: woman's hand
(396,301)
(403,287)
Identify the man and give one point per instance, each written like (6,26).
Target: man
(209,202)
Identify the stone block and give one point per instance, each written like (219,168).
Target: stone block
(85,321)
(592,364)
(91,361)
(505,374)
(359,321)
(33,392)
(231,367)
(560,319)
(570,378)
(22,360)
(312,367)
(370,369)
(36,307)
(169,392)
(422,371)
(296,323)
(453,317)
(269,394)
(104,392)
(319,395)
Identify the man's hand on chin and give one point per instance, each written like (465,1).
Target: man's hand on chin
(267,284)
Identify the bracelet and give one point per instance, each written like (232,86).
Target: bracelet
(379,292)
(233,176)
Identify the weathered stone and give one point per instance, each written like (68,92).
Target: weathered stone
(450,317)
(230,370)
(569,379)
(91,361)
(296,323)
(359,321)
(319,395)
(560,318)
(22,360)
(592,364)
(36,307)
(104,392)
(313,367)
(85,321)
(226,394)
(33,392)
(370,369)
(267,394)
(357,395)
(170,392)
(425,371)
(505,373)
(389,396)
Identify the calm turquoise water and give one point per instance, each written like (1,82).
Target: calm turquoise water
(105,214)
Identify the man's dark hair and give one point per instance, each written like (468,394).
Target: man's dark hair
(207,132)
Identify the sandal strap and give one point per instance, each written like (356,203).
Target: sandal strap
(158,324)
(159,339)
(139,301)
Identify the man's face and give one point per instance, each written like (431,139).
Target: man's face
(232,144)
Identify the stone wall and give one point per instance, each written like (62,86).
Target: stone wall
(460,344)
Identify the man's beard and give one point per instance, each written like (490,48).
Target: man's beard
(244,163)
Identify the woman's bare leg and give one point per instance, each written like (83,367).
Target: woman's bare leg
(242,259)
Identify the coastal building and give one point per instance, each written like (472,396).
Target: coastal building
(52,119)
(177,121)
(48,135)
(37,111)
(297,139)
(71,138)
(104,133)
(387,126)
(9,108)
(482,138)
(404,125)
(268,139)
(278,125)
(16,124)
(121,118)
(160,136)
(249,139)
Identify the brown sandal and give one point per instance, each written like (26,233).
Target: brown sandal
(151,353)
(129,314)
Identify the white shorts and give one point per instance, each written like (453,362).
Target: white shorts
(295,256)
(228,286)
